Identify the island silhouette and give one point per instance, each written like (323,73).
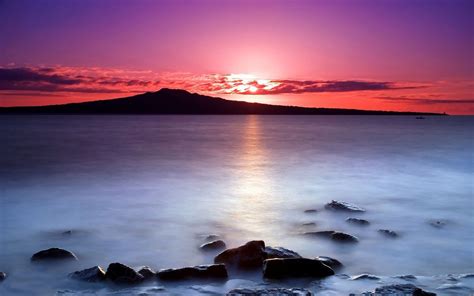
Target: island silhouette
(178,101)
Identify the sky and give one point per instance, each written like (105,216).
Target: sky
(403,55)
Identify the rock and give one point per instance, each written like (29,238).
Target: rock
(438,223)
(212,237)
(357,221)
(67,232)
(3,276)
(203,271)
(279,252)
(343,206)
(53,254)
(270,292)
(388,233)
(295,267)
(250,255)
(93,274)
(406,277)
(122,274)
(401,289)
(334,235)
(214,245)
(310,211)
(147,273)
(365,276)
(331,262)
(309,224)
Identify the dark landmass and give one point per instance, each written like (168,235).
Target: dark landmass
(176,101)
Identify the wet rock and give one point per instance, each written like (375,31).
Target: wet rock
(357,221)
(401,289)
(270,292)
(147,273)
(407,277)
(250,255)
(343,206)
(365,276)
(122,274)
(93,274)
(310,211)
(466,276)
(67,232)
(279,252)
(203,271)
(438,223)
(295,267)
(331,262)
(334,235)
(388,233)
(53,254)
(3,276)
(212,237)
(309,224)
(213,245)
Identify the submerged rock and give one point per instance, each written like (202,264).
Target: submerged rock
(53,254)
(93,274)
(279,252)
(202,271)
(309,211)
(406,277)
(147,272)
(400,289)
(365,276)
(295,267)
(270,292)
(343,206)
(122,274)
(357,221)
(250,255)
(3,276)
(309,224)
(438,223)
(212,237)
(334,235)
(388,233)
(331,262)
(213,245)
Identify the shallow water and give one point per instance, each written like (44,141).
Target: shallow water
(145,190)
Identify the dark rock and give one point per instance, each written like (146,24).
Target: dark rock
(279,252)
(202,271)
(310,211)
(122,274)
(212,237)
(388,233)
(365,276)
(438,223)
(270,292)
(331,262)
(402,289)
(214,245)
(407,277)
(343,206)
(147,272)
(309,224)
(357,221)
(3,276)
(67,232)
(53,254)
(334,235)
(250,255)
(295,267)
(93,274)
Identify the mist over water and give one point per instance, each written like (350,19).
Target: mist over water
(146,190)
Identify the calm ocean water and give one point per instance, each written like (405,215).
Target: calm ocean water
(145,190)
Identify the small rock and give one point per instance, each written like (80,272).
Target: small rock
(270,292)
(93,274)
(401,289)
(295,267)
(67,232)
(334,235)
(331,262)
(388,233)
(53,254)
(310,211)
(279,252)
(202,271)
(3,276)
(438,223)
(343,206)
(250,255)
(407,277)
(365,276)
(214,245)
(212,237)
(122,274)
(147,272)
(357,221)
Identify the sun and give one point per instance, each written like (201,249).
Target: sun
(253,88)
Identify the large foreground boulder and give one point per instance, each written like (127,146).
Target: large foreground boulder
(53,254)
(334,235)
(331,262)
(295,267)
(93,274)
(250,255)
(203,271)
(335,205)
(270,292)
(122,274)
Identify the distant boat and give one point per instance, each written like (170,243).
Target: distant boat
(420,117)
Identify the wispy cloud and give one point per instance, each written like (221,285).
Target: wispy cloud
(426,101)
